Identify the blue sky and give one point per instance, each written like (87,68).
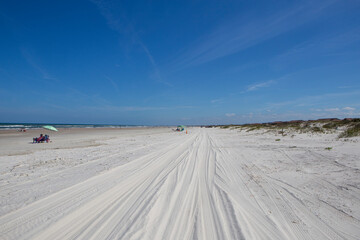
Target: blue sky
(170,62)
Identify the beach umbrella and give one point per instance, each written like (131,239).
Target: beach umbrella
(50,128)
(180,128)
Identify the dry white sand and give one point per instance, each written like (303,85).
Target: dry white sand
(154,183)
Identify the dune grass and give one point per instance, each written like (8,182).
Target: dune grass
(347,127)
(351,131)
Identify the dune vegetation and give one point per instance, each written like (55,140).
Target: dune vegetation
(348,127)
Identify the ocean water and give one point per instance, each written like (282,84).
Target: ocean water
(17,126)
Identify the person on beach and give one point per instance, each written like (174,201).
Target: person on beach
(39,139)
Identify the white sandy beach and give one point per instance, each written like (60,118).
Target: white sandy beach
(153,183)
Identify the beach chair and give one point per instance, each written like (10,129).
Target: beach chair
(39,139)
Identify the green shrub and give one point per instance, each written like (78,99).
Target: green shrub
(316,129)
(352,131)
(330,126)
(251,129)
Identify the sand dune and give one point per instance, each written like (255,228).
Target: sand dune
(208,184)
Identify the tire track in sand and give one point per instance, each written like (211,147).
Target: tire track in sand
(87,196)
(192,188)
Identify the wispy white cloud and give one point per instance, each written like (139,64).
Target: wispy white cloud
(249,88)
(334,109)
(239,34)
(324,45)
(218,100)
(260,85)
(33,63)
(331,109)
(230,114)
(334,112)
(312,100)
(154,65)
(285,116)
(118,22)
(344,87)
(77,97)
(113,83)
